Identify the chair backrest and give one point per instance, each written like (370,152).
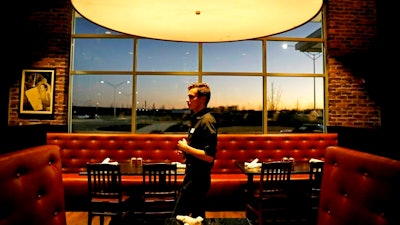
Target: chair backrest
(160,179)
(275,174)
(104,180)
(315,179)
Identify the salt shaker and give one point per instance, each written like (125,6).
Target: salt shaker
(291,159)
(139,161)
(133,161)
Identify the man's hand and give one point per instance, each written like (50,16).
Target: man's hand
(182,145)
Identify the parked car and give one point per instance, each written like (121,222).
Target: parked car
(306,128)
(85,116)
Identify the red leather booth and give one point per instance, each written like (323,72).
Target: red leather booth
(359,188)
(31,187)
(227,180)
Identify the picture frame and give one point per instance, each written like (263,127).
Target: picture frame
(37,92)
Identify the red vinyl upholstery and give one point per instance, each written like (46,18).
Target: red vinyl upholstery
(227,180)
(359,188)
(31,188)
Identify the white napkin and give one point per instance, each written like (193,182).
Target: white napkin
(253,164)
(187,220)
(315,160)
(179,165)
(107,161)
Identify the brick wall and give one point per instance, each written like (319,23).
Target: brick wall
(45,28)
(351,53)
(351,46)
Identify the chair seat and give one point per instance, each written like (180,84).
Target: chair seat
(111,200)
(158,199)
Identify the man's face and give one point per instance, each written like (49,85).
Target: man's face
(194,102)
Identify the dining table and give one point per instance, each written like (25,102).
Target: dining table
(300,171)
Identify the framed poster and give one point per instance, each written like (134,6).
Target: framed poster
(37,92)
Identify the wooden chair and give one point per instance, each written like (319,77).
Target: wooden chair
(105,193)
(314,189)
(270,200)
(160,189)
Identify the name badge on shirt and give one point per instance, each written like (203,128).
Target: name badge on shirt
(191,130)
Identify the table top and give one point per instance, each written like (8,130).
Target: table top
(128,169)
(300,167)
(213,221)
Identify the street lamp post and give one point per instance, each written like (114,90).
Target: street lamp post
(127,95)
(115,86)
(313,56)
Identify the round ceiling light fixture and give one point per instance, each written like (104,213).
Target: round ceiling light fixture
(199,20)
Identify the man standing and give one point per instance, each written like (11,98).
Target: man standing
(199,152)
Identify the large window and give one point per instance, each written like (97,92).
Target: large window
(123,83)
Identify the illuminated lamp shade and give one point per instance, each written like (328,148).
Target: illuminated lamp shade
(199,20)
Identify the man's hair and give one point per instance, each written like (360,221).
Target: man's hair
(202,90)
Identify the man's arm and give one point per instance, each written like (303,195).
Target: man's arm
(198,153)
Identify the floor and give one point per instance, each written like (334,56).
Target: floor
(80,218)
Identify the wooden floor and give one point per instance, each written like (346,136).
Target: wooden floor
(80,218)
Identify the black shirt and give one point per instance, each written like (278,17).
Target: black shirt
(202,135)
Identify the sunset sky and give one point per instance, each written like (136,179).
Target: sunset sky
(170,92)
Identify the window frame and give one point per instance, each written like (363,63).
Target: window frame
(200,73)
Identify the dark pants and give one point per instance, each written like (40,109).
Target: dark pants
(192,197)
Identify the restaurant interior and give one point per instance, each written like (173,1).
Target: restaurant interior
(357,54)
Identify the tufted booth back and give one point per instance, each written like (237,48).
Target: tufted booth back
(31,188)
(359,188)
(269,147)
(79,148)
